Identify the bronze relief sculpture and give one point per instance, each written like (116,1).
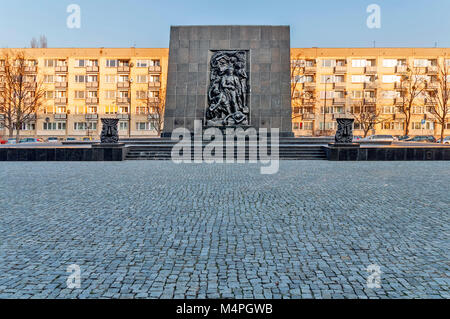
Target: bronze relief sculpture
(228,89)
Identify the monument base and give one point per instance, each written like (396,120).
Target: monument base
(108,145)
(347,145)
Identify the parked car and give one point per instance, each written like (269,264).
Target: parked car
(12,140)
(86,138)
(2,141)
(71,139)
(446,140)
(402,137)
(357,138)
(379,138)
(52,140)
(422,138)
(30,140)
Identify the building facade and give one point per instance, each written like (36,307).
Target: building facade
(327,82)
(84,85)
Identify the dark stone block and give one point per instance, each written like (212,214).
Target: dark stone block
(390,155)
(371,154)
(446,154)
(12,154)
(362,155)
(381,154)
(3,154)
(419,154)
(399,154)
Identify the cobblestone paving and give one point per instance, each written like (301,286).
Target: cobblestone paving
(160,230)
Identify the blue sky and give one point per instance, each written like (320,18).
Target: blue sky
(140,23)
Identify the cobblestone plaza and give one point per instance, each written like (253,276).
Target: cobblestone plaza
(160,230)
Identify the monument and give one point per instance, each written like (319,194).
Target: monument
(229,76)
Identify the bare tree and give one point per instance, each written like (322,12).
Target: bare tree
(366,115)
(22,93)
(412,86)
(300,99)
(34,43)
(439,96)
(156,110)
(42,41)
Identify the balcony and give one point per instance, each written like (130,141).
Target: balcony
(399,116)
(123,69)
(370,86)
(61,100)
(340,86)
(2,117)
(123,85)
(402,69)
(398,101)
(340,69)
(123,100)
(310,69)
(153,100)
(30,69)
(339,101)
(60,85)
(428,102)
(308,116)
(92,100)
(30,85)
(61,69)
(60,116)
(370,100)
(432,85)
(125,116)
(370,70)
(154,84)
(92,85)
(2,84)
(433,69)
(91,116)
(92,69)
(400,85)
(310,85)
(155,68)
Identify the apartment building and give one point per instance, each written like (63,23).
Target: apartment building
(84,85)
(327,82)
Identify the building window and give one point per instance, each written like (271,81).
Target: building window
(54,126)
(110,94)
(141,110)
(110,79)
(82,126)
(80,94)
(110,109)
(49,63)
(154,78)
(80,78)
(141,95)
(48,79)
(111,63)
(141,79)
(328,63)
(123,126)
(49,94)
(28,126)
(144,126)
